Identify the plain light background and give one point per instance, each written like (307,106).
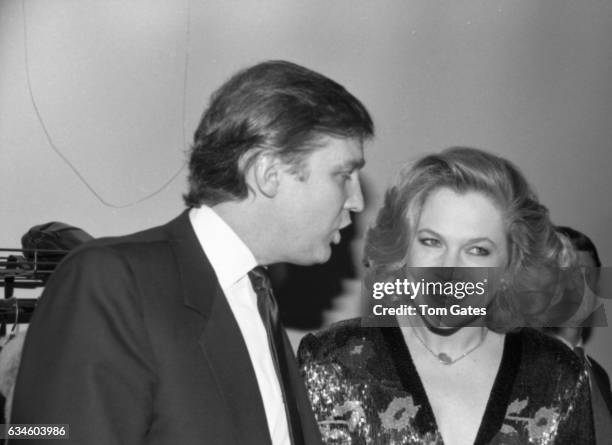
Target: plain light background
(120,86)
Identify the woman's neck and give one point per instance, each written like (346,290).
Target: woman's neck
(453,344)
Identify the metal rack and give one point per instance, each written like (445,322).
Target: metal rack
(24,269)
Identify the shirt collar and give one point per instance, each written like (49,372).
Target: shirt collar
(564,341)
(230,258)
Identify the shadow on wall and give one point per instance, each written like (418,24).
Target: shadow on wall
(305,292)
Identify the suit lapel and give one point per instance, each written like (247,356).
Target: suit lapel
(228,357)
(221,340)
(310,429)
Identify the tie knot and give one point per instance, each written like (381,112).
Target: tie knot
(260,279)
(266,304)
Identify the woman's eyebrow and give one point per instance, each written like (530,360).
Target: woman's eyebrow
(481,239)
(471,240)
(433,232)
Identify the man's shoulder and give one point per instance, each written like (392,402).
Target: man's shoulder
(145,253)
(143,244)
(107,269)
(144,240)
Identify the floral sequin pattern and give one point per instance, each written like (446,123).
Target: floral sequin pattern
(353,407)
(365,390)
(356,353)
(339,405)
(521,428)
(399,414)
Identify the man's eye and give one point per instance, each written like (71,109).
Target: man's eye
(479,251)
(345,176)
(429,242)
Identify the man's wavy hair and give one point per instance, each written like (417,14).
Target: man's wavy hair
(273,106)
(531,277)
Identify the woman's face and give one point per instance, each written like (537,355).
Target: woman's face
(455,238)
(458,230)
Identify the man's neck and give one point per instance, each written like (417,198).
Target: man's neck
(251,224)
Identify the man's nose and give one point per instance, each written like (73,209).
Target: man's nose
(355,202)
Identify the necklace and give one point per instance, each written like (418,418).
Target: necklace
(443,357)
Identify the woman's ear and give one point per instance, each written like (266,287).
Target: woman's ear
(265,174)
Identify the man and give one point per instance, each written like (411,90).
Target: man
(601,395)
(168,336)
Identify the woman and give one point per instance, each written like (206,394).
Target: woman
(461,379)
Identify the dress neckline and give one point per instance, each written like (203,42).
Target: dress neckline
(499,397)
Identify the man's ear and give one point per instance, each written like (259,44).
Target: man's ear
(265,174)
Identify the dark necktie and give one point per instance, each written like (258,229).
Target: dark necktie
(268,309)
(579,351)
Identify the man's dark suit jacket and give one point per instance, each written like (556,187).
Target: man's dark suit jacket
(133,342)
(601,398)
(600,376)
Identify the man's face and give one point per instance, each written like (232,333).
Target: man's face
(315,205)
(586,260)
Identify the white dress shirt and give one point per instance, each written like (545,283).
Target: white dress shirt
(231,260)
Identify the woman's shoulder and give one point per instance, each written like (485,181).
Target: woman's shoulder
(336,339)
(546,388)
(541,351)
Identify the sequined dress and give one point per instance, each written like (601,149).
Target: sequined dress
(364,389)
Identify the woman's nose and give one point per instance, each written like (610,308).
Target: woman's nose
(450,258)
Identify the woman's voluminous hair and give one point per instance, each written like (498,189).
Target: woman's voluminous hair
(276,107)
(535,250)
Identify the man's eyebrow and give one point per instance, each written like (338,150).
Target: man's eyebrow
(355,164)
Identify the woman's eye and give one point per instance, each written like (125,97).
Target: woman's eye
(429,242)
(479,251)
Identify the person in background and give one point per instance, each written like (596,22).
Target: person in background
(588,258)
(171,335)
(573,337)
(432,377)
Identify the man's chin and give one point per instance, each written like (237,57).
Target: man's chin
(320,256)
(308,257)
